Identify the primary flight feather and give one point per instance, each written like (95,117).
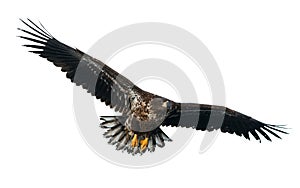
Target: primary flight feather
(138,128)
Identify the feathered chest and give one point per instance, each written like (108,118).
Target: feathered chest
(147,113)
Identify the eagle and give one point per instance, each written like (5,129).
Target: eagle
(137,129)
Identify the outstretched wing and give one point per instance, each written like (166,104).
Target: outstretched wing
(210,117)
(93,75)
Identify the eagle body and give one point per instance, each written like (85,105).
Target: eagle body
(137,129)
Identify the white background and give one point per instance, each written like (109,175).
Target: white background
(256,45)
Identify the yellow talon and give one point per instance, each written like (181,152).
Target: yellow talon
(144,143)
(134,141)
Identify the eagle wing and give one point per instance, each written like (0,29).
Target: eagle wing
(209,117)
(93,75)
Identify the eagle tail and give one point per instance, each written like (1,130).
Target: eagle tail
(121,137)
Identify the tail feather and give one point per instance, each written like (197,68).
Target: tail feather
(121,137)
(123,142)
(114,131)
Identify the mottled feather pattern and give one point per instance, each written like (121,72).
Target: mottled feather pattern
(120,136)
(138,107)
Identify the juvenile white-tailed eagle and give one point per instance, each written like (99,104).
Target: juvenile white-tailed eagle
(138,128)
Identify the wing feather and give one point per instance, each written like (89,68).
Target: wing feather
(93,75)
(210,117)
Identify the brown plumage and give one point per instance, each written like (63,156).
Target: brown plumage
(138,128)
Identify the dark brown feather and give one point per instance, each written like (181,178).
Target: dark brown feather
(93,75)
(197,116)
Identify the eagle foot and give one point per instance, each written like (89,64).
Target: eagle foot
(144,144)
(134,141)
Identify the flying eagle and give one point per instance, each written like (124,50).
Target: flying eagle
(137,130)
